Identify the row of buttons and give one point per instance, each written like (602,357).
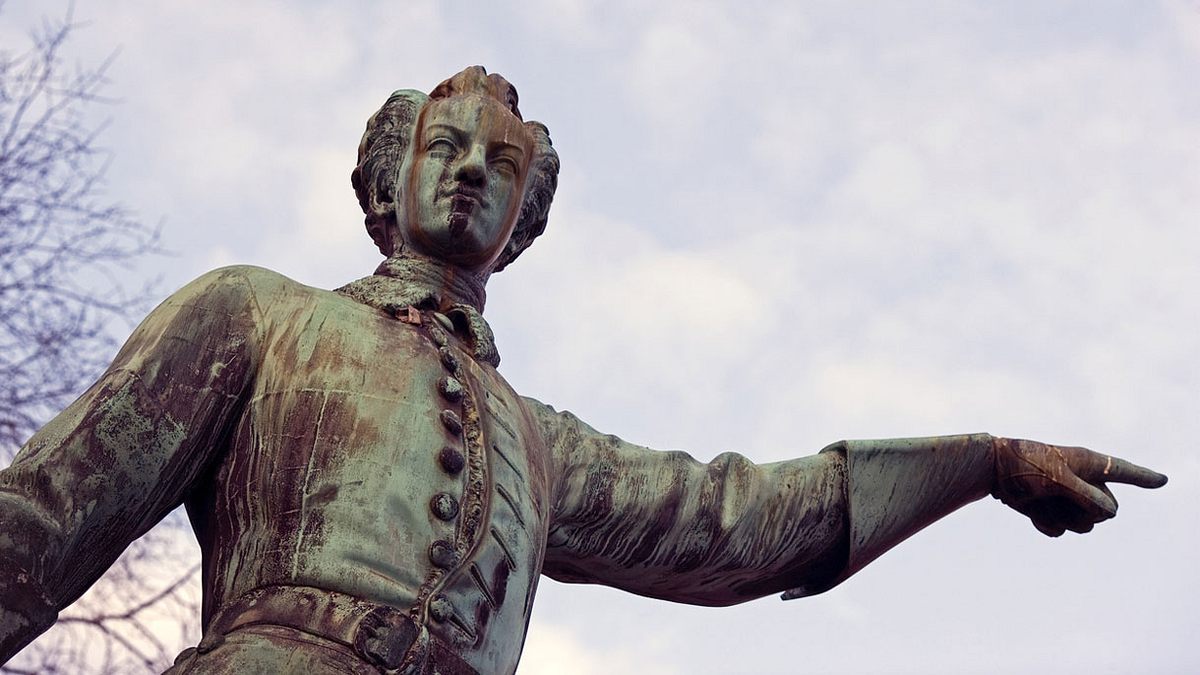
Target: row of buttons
(444,506)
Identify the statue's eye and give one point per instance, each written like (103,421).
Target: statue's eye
(506,164)
(441,147)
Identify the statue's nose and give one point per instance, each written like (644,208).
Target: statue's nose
(471,169)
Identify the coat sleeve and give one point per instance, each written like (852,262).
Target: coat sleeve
(664,525)
(125,453)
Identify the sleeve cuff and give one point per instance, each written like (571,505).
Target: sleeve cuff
(894,488)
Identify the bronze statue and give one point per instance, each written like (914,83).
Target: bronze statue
(370,494)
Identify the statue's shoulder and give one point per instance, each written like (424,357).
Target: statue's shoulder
(240,290)
(248,277)
(240,282)
(268,294)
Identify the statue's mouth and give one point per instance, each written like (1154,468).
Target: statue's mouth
(462,193)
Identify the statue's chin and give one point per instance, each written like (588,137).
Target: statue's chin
(457,245)
(457,222)
(456,236)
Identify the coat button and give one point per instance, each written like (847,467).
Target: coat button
(440,609)
(444,320)
(449,360)
(442,554)
(444,506)
(451,460)
(451,421)
(451,389)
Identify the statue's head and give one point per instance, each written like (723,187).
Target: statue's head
(456,175)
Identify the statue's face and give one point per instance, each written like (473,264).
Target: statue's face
(463,191)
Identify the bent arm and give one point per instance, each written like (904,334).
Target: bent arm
(664,525)
(124,454)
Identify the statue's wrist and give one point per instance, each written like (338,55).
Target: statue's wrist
(999,446)
(1005,454)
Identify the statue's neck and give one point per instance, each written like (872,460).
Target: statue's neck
(405,280)
(444,285)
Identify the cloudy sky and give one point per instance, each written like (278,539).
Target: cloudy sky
(777,225)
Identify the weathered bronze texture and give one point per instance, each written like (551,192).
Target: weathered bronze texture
(370,494)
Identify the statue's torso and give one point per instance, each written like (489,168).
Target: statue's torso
(358,467)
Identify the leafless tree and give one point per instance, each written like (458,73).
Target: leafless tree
(65,252)
(133,621)
(64,245)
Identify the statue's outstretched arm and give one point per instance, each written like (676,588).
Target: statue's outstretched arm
(896,487)
(124,454)
(662,524)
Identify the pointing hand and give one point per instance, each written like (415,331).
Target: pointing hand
(1062,488)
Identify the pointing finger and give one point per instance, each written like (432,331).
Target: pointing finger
(1116,470)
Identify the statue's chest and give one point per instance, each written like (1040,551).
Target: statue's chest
(424,446)
(369,393)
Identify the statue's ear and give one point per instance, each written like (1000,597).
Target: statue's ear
(375,200)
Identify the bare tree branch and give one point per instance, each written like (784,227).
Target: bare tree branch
(66,248)
(63,244)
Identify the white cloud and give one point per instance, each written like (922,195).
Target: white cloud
(675,67)
(1185,19)
(555,650)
